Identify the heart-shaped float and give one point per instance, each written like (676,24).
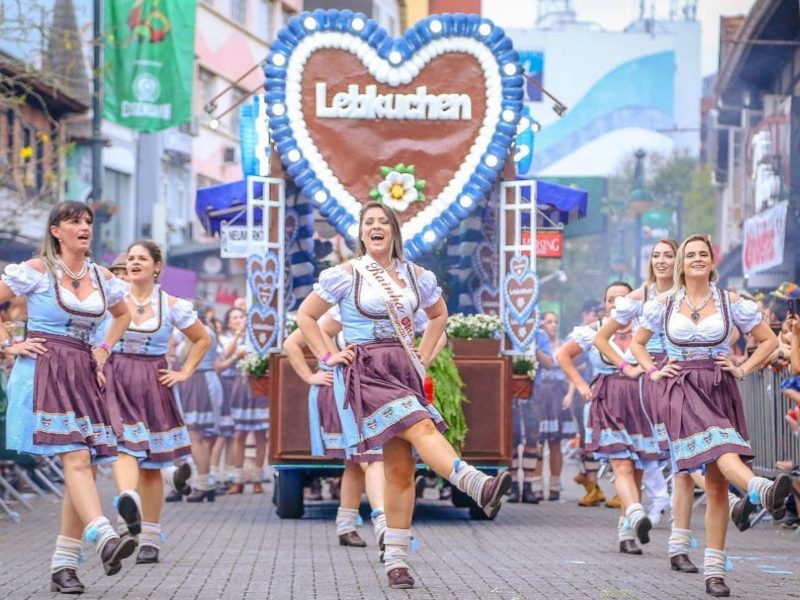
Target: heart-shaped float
(345,99)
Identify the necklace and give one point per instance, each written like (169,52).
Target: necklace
(76,277)
(141,307)
(696,311)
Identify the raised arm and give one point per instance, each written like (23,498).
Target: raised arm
(295,344)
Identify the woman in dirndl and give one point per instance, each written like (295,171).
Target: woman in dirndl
(362,471)
(250,413)
(55,403)
(382,374)
(552,401)
(142,388)
(201,398)
(617,430)
(700,403)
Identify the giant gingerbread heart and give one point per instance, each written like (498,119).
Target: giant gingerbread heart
(262,327)
(345,99)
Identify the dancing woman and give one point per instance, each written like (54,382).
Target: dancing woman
(705,423)
(378,294)
(201,397)
(361,470)
(141,387)
(617,430)
(250,412)
(55,405)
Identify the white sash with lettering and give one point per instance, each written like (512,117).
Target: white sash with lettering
(401,318)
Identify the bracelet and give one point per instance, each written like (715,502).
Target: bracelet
(743,374)
(623,364)
(326,357)
(652,370)
(104,346)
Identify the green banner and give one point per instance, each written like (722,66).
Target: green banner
(149,62)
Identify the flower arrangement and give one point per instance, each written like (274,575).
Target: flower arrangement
(399,187)
(253,365)
(524,365)
(465,327)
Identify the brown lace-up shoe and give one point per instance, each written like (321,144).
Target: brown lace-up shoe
(629,547)
(351,538)
(493,492)
(399,579)
(682,564)
(66,581)
(715,586)
(115,550)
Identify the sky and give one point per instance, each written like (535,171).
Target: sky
(614,15)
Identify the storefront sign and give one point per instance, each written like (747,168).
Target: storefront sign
(549,244)
(233,240)
(764,236)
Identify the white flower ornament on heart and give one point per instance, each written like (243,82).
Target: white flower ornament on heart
(399,188)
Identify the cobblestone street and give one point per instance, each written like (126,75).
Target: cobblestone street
(238,548)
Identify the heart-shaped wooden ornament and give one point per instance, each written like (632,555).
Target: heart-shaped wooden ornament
(263,277)
(485,263)
(262,327)
(345,100)
(487,300)
(520,295)
(522,335)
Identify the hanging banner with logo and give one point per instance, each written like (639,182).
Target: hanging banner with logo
(764,235)
(149,63)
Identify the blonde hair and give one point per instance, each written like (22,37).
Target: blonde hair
(679,278)
(397,237)
(651,274)
(63,211)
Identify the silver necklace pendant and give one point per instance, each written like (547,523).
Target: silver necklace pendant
(76,284)
(695,316)
(140,310)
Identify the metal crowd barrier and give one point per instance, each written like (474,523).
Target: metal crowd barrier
(765,408)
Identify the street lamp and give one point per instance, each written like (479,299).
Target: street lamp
(640,200)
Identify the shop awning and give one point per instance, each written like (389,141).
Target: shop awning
(559,203)
(224,203)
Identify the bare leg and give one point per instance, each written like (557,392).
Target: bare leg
(374,483)
(261,448)
(556,458)
(682,500)
(352,486)
(732,468)
(71,524)
(237,449)
(126,472)
(201,451)
(432,448)
(151,489)
(79,480)
(716,507)
(399,472)
(625,482)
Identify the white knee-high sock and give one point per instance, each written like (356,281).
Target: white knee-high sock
(468,479)
(150,535)
(624,531)
(378,522)
(397,542)
(714,563)
(635,513)
(99,532)
(758,487)
(67,554)
(346,519)
(680,541)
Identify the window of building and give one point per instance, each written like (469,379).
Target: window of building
(239,11)
(207,83)
(264,16)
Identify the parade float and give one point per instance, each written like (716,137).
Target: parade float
(425,123)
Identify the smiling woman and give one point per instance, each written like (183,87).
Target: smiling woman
(380,374)
(58,372)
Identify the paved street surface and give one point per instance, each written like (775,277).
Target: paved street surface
(238,548)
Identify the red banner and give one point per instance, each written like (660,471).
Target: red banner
(549,244)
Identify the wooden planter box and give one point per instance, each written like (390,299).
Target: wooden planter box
(521,387)
(259,386)
(476,347)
